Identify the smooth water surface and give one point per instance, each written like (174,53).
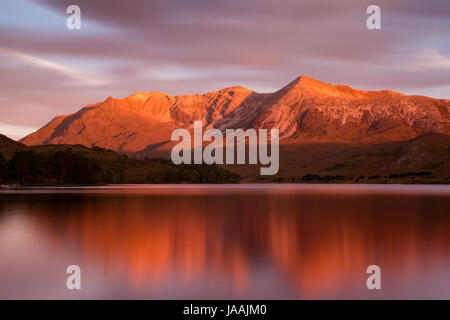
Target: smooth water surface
(226,241)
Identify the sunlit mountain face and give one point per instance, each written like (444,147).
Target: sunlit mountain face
(305,110)
(229,244)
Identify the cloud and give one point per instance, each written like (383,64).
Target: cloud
(431,58)
(47,64)
(195,46)
(14,131)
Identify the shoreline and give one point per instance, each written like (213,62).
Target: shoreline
(224,189)
(248,182)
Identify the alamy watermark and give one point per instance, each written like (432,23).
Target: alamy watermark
(73,282)
(74,20)
(258,144)
(374,280)
(373,22)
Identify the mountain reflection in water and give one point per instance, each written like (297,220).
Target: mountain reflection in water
(233,243)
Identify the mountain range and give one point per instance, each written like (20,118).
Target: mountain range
(311,115)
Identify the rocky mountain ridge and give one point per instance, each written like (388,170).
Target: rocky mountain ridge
(306,110)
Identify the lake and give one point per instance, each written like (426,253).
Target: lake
(226,241)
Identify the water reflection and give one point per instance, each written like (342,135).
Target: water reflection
(274,245)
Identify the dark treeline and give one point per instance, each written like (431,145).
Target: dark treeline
(68,167)
(192,173)
(62,167)
(315,178)
(3,168)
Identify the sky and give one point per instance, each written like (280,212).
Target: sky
(197,46)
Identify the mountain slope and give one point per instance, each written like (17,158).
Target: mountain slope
(427,153)
(9,146)
(306,110)
(78,165)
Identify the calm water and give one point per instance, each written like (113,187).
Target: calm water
(241,241)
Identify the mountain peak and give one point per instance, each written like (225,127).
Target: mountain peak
(305,80)
(142,96)
(236,89)
(308,85)
(138,96)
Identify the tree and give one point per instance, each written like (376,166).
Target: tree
(3,168)
(61,167)
(23,167)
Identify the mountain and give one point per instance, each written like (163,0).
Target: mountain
(327,131)
(306,110)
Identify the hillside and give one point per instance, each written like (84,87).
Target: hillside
(79,165)
(428,155)
(424,159)
(9,146)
